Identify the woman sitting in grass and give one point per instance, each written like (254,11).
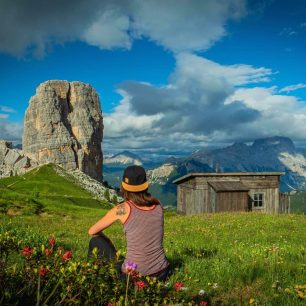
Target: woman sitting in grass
(143,222)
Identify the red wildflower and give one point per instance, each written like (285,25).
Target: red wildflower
(178,286)
(203,303)
(111,304)
(48,252)
(43,271)
(67,255)
(52,241)
(26,251)
(140,284)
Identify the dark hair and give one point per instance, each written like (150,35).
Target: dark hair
(141,198)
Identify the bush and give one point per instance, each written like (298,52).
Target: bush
(46,273)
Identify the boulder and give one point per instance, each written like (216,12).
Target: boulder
(12,157)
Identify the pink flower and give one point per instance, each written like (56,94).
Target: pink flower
(178,286)
(203,303)
(52,241)
(48,252)
(43,271)
(67,255)
(26,251)
(140,284)
(130,267)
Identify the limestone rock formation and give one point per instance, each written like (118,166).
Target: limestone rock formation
(63,125)
(13,161)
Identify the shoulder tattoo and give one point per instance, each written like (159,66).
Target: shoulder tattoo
(121,210)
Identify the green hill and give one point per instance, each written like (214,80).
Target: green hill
(298,202)
(44,191)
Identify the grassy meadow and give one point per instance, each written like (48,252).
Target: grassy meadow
(232,258)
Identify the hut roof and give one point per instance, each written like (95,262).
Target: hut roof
(211,174)
(228,186)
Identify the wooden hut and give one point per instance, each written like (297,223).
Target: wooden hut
(232,191)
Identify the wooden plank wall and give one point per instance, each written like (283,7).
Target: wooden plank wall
(232,201)
(194,195)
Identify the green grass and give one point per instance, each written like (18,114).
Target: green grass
(42,190)
(234,257)
(298,202)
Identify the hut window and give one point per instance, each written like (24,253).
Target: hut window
(258,200)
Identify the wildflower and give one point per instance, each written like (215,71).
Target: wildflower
(215,285)
(130,267)
(201,292)
(251,301)
(43,271)
(203,303)
(48,252)
(67,255)
(52,241)
(26,251)
(111,304)
(140,284)
(178,286)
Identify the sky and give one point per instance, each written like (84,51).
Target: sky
(172,75)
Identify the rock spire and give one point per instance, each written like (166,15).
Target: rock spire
(63,125)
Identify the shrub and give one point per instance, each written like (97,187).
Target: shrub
(46,273)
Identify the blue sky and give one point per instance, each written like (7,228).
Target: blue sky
(171,75)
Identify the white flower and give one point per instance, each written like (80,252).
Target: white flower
(215,285)
(201,292)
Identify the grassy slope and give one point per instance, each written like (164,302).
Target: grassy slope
(233,256)
(43,190)
(298,202)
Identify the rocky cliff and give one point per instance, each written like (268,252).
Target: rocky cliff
(63,125)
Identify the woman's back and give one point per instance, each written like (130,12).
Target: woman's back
(144,230)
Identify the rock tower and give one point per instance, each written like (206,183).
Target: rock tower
(63,125)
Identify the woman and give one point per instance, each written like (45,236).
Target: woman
(143,222)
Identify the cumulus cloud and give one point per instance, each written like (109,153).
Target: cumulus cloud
(280,114)
(34,25)
(293,87)
(11,131)
(196,106)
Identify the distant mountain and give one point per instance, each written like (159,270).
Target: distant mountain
(267,154)
(124,158)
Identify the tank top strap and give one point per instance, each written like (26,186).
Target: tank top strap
(134,206)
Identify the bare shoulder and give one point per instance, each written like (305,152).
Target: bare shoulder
(122,209)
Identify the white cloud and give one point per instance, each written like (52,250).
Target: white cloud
(11,131)
(187,24)
(204,102)
(293,87)
(193,109)
(33,26)
(109,31)
(3,116)
(280,114)
(7,109)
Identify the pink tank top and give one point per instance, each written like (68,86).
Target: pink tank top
(144,231)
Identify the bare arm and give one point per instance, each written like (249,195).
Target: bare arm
(119,212)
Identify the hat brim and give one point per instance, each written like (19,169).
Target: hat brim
(135,188)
